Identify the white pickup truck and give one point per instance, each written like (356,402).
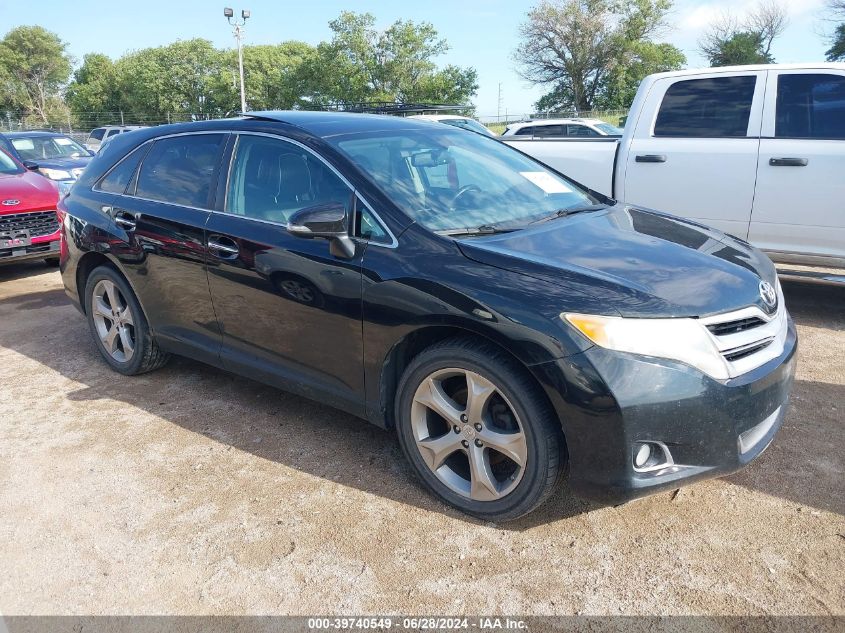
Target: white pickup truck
(755,151)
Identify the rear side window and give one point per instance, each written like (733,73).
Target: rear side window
(525,131)
(811,106)
(179,170)
(97,135)
(120,176)
(707,108)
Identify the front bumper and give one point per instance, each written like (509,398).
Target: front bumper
(609,401)
(41,247)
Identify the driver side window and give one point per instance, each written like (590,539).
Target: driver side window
(271,179)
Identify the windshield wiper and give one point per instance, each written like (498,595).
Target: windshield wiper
(567,211)
(484,229)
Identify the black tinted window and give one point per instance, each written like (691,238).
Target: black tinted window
(811,106)
(525,131)
(582,131)
(707,108)
(97,134)
(179,170)
(550,131)
(119,177)
(271,179)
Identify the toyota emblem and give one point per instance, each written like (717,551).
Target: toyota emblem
(768,294)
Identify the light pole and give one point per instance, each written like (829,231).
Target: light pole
(238,30)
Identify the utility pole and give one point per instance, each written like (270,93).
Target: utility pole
(499,105)
(238,31)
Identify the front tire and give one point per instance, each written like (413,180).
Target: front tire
(118,324)
(477,430)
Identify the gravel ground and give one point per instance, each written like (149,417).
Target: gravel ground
(191,491)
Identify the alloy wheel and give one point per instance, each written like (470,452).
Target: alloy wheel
(114,321)
(468,434)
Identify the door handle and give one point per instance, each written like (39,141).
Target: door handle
(125,221)
(651,158)
(788,162)
(225,247)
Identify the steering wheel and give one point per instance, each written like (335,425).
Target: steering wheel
(464,190)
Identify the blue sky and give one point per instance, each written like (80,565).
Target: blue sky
(482,33)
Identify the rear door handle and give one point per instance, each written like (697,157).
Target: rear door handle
(125,220)
(225,247)
(651,158)
(788,162)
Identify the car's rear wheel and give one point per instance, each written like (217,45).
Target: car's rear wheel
(118,324)
(477,430)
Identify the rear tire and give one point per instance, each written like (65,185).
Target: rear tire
(478,430)
(118,324)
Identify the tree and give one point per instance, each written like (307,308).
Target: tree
(35,68)
(836,52)
(185,77)
(592,51)
(730,42)
(93,95)
(361,64)
(273,74)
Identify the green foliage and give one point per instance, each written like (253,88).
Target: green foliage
(361,63)
(836,53)
(593,52)
(744,47)
(34,67)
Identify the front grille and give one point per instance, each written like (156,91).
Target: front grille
(737,353)
(37,223)
(748,338)
(735,327)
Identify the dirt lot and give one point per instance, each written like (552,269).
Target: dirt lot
(192,491)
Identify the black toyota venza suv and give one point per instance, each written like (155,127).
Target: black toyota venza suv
(507,323)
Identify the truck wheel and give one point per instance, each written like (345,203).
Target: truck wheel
(118,325)
(477,430)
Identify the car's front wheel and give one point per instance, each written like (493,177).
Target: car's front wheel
(118,324)
(477,430)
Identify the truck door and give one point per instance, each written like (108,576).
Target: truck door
(798,207)
(694,149)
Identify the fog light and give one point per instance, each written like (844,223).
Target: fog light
(643,453)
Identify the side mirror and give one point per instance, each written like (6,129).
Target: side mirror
(327,221)
(31,165)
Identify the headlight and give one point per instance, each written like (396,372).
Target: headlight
(64,187)
(55,174)
(684,340)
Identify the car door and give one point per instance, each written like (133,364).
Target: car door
(696,154)
(801,170)
(160,218)
(289,308)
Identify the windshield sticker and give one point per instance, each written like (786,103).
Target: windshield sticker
(63,141)
(545,181)
(23,143)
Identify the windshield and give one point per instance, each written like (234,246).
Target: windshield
(447,179)
(468,124)
(46,147)
(610,130)
(7,165)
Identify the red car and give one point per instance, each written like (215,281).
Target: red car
(29,222)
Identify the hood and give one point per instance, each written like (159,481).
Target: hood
(31,190)
(64,163)
(643,263)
